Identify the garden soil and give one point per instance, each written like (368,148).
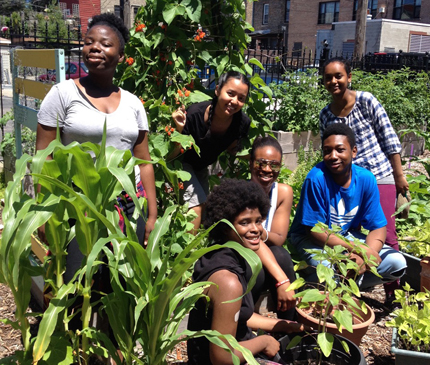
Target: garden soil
(375,344)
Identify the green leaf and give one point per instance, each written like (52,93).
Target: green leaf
(313,295)
(343,318)
(194,9)
(294,342)
(60,352)
(325,341)
(49,320)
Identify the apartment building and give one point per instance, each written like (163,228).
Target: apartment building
(79,12)
(295,23)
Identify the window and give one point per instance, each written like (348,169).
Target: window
(297,49)
(63,6)
(117,11)
(372,6)
(407,9)
(75,9)
(287,10)
(329,12)
(265,13)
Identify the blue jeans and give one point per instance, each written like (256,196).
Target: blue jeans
(391,268)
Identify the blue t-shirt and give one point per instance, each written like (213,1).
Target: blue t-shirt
(323,200)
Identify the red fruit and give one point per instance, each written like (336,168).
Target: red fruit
(169,134)
(182,150)
(187,93)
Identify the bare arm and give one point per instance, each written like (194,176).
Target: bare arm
(141,151)
(281,219)
(399,178)
(286,299)
(225,315)
(258,321)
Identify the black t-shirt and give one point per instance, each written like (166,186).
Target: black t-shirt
(211,146)
(200,319)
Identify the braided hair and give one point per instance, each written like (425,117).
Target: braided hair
(221,82)
(115,23)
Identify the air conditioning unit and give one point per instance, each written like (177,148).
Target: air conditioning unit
(382,10)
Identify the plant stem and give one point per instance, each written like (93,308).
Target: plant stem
(86,316)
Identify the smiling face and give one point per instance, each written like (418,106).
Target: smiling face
(338,155)
(266,159)
(248,224)
(231,97)
(101,51)
(336,79)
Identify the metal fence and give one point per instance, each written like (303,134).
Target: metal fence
(274,62)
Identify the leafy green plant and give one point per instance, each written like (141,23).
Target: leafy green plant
(4,120)
(28,139)
(149,296)
(300,98)
(412,319)
(404,94)
(333,300)
(306,160)
(414,232)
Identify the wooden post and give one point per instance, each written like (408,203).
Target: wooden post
(360,30)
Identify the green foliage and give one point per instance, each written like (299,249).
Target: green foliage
(28,140)
(300,101)
(404,94)
(305,162)
(149,295)
(412,319)
(333,298)
(9,6)
(173,42)
(414,232)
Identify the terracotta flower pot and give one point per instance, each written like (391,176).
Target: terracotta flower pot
(359,328)
(425,273)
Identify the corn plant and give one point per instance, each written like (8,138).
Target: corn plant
(149,296)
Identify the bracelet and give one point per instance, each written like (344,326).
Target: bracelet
(282,283)
(267,235)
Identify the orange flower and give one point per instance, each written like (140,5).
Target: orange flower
(180,93)
(181,185)
(163,103)
(182,150)
(129,61)
(202,34)
(197,38)
(187,93)
(169,134)
(140,27)
(142,101)
(172,129)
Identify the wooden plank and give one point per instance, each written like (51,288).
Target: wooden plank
(38,249)
(25,116)
(42,58)
(35,89)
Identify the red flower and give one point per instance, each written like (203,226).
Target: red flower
(129,61)
(166,129)
(170,63)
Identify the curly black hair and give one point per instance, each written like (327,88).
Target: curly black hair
(229,199)
(115,23)
(340,129)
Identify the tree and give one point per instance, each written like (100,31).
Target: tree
(9,6)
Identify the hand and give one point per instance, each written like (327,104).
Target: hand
(179,117)
(272,346)
(291,327)
(149,227)
(401,184)
(286,298)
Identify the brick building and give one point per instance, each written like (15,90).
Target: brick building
(295,23)
(79,12)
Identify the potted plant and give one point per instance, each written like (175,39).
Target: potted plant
(411,327)
(149,296)
(331,306)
